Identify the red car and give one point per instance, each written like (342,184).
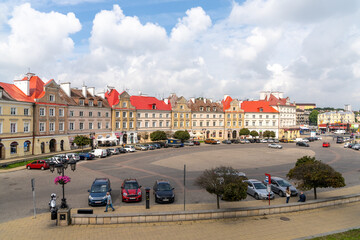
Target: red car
(38,164)
(131,191)
(326,144)
(196,143)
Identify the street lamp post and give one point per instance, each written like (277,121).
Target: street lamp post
(60,167)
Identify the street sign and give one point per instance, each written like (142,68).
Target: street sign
(268,188)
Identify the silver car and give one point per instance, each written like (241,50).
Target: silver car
(258,190)
(274,145)
(189,143)
(279,185)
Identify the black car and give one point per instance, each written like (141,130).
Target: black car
(302,144)
(226,141)
(121,150)
(162,144)
(235,141)
(97,193)
(163,192)
(251,140)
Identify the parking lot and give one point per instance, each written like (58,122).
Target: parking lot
(255,159)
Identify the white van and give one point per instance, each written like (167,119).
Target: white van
(99,152)
(299,140)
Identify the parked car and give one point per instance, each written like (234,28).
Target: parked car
(72,156)
(189,143)
(274,145)
(279,185)
(114,151)
(302,144)
(129,148)
(158,146)
(162,144)
(163,192)
(99,152)
(131,191)
(251,140)
(257,140)
(264,140)
(270,140)
(226,141)
(236,141)
(121,150)
(38,164)
(276,140)
(98,190)
(326,144)
(258,190)
(247,141)
(210,141)
(236,172)
(196,143)
(283,140)
(86,156)
(356,146)
(108,152)
(141,147)
(58,158)
(173,143)
(149,146)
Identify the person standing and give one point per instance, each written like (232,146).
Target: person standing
(302,197)
(108,202)
(288,194)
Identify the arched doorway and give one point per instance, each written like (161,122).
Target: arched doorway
(42,146)
(131,138)
(13,147)
(62,145)
(52,145)
(229,135)
(234,134)
(125,138)
(27,146)
(2,151)
(208,134)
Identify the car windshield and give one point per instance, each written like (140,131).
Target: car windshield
(284,183)
(99,188)
(164,187)
(259,186)
(131,185)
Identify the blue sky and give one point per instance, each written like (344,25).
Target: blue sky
(309,50)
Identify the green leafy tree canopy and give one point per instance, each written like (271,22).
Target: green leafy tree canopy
(158,135)
(313,117)
(82,140)
(244,132)
(182,135)
(254,133)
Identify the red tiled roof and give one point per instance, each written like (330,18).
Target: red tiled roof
(112,97)
(15,92)
(146,103)
(255,106)
(226,102)
(277,101)
(36,87)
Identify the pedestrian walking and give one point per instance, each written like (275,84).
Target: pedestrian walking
(288,194)
(108,202)
(302,197)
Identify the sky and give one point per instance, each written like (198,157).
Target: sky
(309,50)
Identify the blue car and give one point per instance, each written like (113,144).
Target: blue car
(97,193)
(86,156)
(164,192)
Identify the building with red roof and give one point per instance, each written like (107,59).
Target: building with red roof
(234,117)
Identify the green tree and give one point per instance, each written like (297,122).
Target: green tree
(182,135)
(267,134)
(311,173)
(158,135)
(81,140)
(224,182)
(272,134)
(313,117)
(254,133)
(244,132)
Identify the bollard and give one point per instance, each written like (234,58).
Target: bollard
(147,189)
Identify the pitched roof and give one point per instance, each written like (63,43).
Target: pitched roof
(112,97)
(277,101)
(36,87)
(146,103)
(15,92)
(226,103)
(195,106)
(255,106)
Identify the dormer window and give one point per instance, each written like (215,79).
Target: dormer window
(81,102)
(181,106)
(154,106)
(91,103)
(214,109)
(52,98)
(260,109)
(201,109)
(124,104)
(99,103)
(207,109)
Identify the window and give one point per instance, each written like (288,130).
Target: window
(146,115)
(81,102)
(107,114)
(153,115)
(1,127)
(131,114)
(233,108)
(181,124)
(13,127)
(160,123)
(228,115)
(207,109)
(131,124)
(61,126)
(26,111)
(274,116)
(253,116)
(27,146)
(52,127)
(154,106)
(117,114)
(194,124)
(175,124)
(138,115)
(207,116)
(246,123)
(187,115)
(81,113)
(99,104)
(42,127)
(260,116)
(90,114)
(220,134)
(61,112)
(99,114)
(267,116)
(201,109)
(194,115)
(214,109)
(13,147)
(214,123)
(260,123)
(13,111)
(71,113)
(99,125)
(0,110)
(51,112)
(81,126)
(240,116)
(124,104)
(91,103)
(52,98)
(207,123)
(167,123)
(221,123)
(181,106)
(260,109)
(228,124)
(146,124)
(167,115)
(201,123)
(71,126)
(187,124)
(154,124)
(90,125)
(139,124)
(240,124)
(107,125)
(253,123)
(181,115)
(26,127)
(234,124)
(124,125)
(274,123)
(117,125)
(175,115)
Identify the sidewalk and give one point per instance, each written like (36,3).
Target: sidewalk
(280,226)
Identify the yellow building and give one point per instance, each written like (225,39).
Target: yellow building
(234,117)
(180,113)
(336,117)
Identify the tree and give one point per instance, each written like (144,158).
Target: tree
(244,132)
(158,135)
(254,133)
(224,182)
(272,134)
(313,117)
(267,134)
(81,140)
(312,173)
(182,135)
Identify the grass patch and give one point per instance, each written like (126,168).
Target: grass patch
(18,164)
(353,234)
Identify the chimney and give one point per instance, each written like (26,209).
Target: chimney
(204,100)
(101,94)
(66,88)
(23,85)
(210,99)
(262,95)
(166,100)
(84,91)
(92,91)
(225,96)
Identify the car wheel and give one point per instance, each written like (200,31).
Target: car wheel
(281,194)
(42,168)
(256,196)
(28,167)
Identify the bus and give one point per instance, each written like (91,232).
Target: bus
(174,143)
